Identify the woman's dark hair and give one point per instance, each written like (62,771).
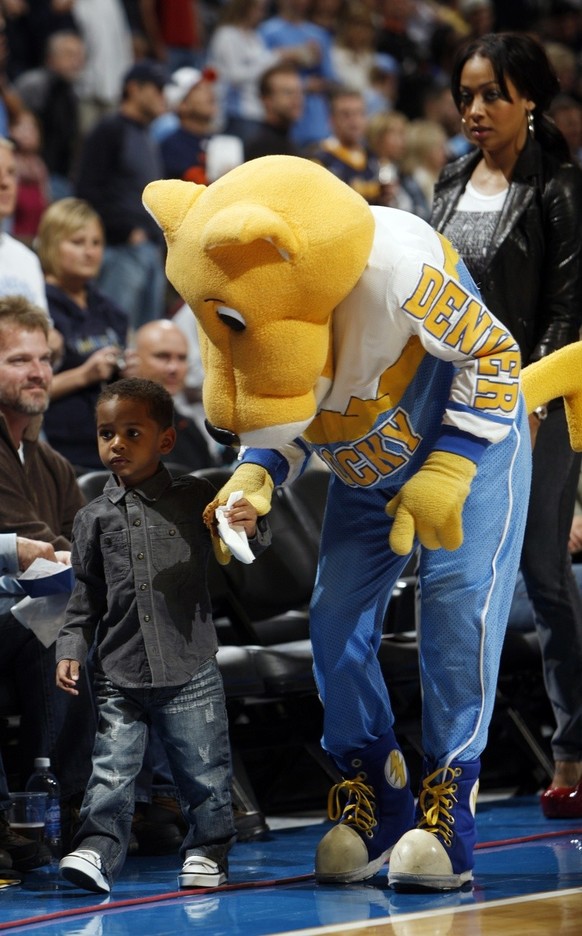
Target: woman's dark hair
(522,59)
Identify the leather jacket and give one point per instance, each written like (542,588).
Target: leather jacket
(533,276)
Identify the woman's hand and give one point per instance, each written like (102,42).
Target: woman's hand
(101,365)
(534,425)
(575,540)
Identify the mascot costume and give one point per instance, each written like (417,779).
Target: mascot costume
(328,326)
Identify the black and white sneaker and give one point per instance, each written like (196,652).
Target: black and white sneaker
(83,868)
(200,871)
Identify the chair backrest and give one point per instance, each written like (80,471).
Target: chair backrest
(307,496)
(92,483)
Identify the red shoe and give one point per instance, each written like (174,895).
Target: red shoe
(562,802)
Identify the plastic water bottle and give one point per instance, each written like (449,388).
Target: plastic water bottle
(44,781)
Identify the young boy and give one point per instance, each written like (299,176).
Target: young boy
(139,553)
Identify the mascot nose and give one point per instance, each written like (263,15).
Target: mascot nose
(223,436)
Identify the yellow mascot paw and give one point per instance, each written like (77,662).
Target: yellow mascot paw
(221,551)
(257,486)
(430,505)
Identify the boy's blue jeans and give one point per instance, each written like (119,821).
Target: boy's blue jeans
(192,723)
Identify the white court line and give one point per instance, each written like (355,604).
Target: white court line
(419,915)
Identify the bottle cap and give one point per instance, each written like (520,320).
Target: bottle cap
(42,761)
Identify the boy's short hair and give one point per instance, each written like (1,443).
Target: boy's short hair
(159,402)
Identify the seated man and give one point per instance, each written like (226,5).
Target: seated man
(16,851)
(39,498)
(160,353)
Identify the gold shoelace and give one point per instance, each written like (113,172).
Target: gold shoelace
(359,808)
(436,799)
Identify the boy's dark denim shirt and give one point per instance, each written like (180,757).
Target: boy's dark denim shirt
(141,595)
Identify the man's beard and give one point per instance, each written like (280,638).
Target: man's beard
(18,404)
(32,409)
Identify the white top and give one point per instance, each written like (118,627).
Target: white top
(21,272)
(240,57)
(352,68)
(472,200)
(105,30)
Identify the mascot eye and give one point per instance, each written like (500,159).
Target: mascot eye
(232,318)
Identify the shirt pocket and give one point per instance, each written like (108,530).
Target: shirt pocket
(175,548)
(116,557)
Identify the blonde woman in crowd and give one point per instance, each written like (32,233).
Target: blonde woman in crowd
(425,155)
(70,245)
(386,137)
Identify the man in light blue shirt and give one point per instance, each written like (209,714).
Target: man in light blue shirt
(16,554)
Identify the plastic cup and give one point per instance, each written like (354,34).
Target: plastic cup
(27,813)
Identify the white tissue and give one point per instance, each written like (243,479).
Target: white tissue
(234,536)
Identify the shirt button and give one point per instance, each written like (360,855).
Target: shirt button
(108,541)
(143,587)
(140,555)
(137,522)
(146,617)
(172,532)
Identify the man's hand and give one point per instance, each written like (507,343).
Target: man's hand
(28,550)
(68,676)
(575,541)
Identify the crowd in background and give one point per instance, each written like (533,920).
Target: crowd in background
(361,86)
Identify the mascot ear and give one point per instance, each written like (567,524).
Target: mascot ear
(169,201)
(244,223)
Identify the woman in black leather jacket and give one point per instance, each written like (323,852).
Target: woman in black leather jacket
(513,210)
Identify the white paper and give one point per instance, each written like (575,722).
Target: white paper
(44,577)
(234,536)
(43,616)
(41,568)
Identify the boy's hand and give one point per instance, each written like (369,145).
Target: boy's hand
(242,513)
(68,676)
(64,556)
(257,485)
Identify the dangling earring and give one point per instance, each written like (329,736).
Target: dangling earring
(530,124)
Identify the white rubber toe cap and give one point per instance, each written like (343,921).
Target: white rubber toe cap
(342,857)
(419,860)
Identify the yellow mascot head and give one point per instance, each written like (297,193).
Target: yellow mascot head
(262,257)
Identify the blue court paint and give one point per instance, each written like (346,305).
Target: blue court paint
(550,862)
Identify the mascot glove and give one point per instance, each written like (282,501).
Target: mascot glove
(257,486)
(430,505)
